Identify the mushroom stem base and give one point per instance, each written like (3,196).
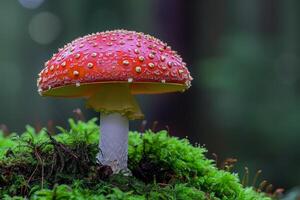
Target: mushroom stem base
(113,142)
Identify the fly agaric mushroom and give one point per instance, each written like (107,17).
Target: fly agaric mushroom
(108,69)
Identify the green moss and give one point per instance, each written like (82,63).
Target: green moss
(39,166)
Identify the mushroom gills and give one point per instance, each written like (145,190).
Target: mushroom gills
(115,98)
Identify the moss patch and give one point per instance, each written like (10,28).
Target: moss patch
(40,166)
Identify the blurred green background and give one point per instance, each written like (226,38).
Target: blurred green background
(243,55)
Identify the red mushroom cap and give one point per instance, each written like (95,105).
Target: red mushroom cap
(118,56)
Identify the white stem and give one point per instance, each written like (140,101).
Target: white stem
(113,142)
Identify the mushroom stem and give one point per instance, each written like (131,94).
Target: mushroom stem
(113,142)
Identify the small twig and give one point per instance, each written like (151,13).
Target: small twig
(256,177)
(42,165)
(154,126)
(78,114)
(40,162)
(38,127)
(56,145)
(163,184)
(245,177)
(32,174)
(50,126)
(228,164)
(215,158)
(168,129)
(52,165)
(61,146)
(269,188)
(143,126)
(4,129)
(262,185)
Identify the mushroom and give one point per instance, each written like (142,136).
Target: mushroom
(108,69)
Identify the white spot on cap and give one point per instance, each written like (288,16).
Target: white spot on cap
(141,58)
(77,55)
(138,69)
(130,80)
(40,91)
(90,65)
(188,83)
(151,55)
(75,73)
(151,65)
(126,62)
(170,64)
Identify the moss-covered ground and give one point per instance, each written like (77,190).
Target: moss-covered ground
(63,166)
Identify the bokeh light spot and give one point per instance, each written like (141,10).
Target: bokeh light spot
(31,4)
(44,27)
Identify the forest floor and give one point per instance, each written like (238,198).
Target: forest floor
(39,165)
